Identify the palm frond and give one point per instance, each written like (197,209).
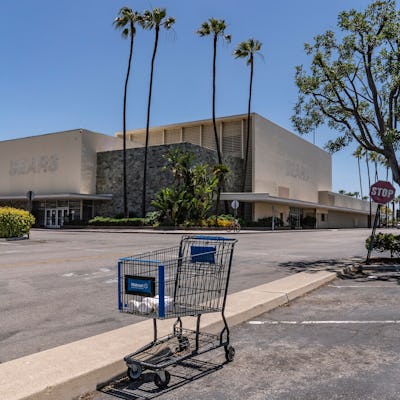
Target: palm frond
(156,18)
(204,29)
(247,49)
(126,20)
(215,27)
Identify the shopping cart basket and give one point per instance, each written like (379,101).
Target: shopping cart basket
(187,280)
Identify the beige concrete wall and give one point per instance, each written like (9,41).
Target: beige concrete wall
(56,163)
(45,164)
(263,210)
(285,164)
(346,220)
(340,200)
(92,143)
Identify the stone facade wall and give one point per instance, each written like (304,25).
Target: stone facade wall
(110,171)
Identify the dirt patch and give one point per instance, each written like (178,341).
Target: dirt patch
(378,269)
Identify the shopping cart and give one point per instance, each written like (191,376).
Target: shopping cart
(187,280)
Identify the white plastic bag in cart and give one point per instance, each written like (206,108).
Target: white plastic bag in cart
(150,304)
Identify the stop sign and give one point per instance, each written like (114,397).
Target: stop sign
(382,192)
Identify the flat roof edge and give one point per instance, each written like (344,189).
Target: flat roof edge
(266,198)
(61,196)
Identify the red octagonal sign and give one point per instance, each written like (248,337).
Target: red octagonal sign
(382,192)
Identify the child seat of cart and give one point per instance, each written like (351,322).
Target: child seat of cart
(203,254)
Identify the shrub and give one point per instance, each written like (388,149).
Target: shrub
(122,215)
(188,201)
(152,218)
(309,221)
(268,222)
(222,220)
(15,222)
(385,242)
(106,221)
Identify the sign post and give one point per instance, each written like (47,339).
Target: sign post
(381,192)
(30,195)
(235,206)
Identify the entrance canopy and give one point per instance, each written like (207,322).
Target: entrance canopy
(251,197)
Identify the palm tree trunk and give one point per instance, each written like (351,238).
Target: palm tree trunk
(213,102)
(157,29)
(369,185)
(124,180)
(246,156)
(214,122)
(359,175)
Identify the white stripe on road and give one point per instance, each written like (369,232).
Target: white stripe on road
(361,286)
(387,321)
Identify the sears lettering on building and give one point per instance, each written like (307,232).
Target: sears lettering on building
(34,165)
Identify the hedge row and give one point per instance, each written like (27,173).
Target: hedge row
(385,242)
(106,221)
(15,223)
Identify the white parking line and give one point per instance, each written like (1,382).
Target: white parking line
(387,321)
(100,273)
(361,286)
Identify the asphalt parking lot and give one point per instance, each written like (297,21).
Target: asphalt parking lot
(61,285)
(338,342)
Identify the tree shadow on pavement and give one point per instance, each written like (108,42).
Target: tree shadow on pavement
(331,265)
(144,387)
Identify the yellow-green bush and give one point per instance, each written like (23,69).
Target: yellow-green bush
(15,222)
(223,221)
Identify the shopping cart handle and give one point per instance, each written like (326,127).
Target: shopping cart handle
(206,237)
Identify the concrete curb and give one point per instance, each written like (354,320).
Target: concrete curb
(67,371)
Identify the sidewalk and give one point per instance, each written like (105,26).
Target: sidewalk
(67,371)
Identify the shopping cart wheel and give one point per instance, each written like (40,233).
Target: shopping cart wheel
(229,353)
(134,371)
(162,378)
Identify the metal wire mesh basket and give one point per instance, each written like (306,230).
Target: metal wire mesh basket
(188,279)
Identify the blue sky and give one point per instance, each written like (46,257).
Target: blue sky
(63,65)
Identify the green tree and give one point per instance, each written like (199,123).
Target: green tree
(247,50)
(190,197)
(352,84)
(155,19)
(215,28)
(125,21)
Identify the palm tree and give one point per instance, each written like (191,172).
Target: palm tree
(215,28)
(374,157)
(397,200)
(220,171)
(359,154)
(126,21)
(369,185)
(247,50)
(155,19)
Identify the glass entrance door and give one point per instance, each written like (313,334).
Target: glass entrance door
(295,216)
(55,217)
